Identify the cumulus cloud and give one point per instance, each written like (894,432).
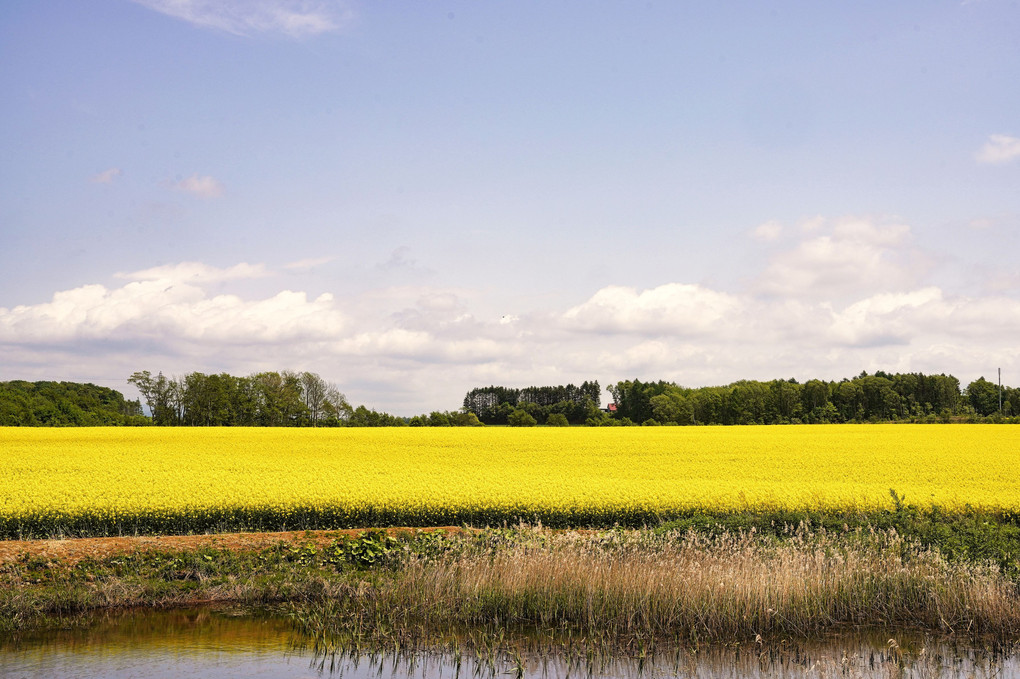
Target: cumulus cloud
(410,348)
(671,308)
(293,18)
(850,257)
(768,231)
(203,187)
(999,148)
(812,224)
(153,311)
(919,329)
(106,176)
(882,319)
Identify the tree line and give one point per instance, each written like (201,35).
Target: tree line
(880,397)
(569,404)
(265,399)
(287,398)
(268,399)
(65,404)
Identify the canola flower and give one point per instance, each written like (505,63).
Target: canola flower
(96,481)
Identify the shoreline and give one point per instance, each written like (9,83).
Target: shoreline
(841,652)
(614,588)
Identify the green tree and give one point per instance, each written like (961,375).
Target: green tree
(849,400)
(159,394)
(983,396)
(521,418)
(279,398)
(314,391)
(814,394)
(672,406)
(786,400)
(750,403)
(880,399)
(557,420)
(65,404)
(463,419)
(438,419)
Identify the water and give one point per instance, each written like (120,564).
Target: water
(211,642)
(201,642)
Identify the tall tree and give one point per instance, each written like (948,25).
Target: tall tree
(313,394)
(983,396)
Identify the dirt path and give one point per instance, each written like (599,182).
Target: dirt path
(73,550)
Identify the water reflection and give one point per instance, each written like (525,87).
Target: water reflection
(210,642)
(842,657)
(199,642)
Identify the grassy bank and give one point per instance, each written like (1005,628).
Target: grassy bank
(965,535)
(621,588)
(635,588)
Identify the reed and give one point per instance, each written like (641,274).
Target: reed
(614,591)
(637,587)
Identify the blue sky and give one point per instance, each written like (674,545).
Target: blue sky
(413,199)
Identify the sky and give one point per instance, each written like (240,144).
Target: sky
(413,199)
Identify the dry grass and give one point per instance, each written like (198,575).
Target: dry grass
(615,592)
(636,588)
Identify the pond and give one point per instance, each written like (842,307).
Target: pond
(224,642)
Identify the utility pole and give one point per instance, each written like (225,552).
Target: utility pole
(1000,390)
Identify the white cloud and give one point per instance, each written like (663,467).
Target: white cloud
(203,187)
(920,329)
(850,258)
(411,349)
(768,231)
(153,311)
(672,308)
(812,224)
(1003,281)
(293,18)
(106,176)
(999,148)
(880,319)
(196,272)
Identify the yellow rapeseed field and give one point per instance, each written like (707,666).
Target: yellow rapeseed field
(110,480)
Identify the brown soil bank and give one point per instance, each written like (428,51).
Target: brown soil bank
(72,550)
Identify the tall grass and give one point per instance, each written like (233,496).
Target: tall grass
(636,587)
(618,591)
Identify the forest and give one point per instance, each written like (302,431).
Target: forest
(267,399)
(506,405)
(304,399)
(880,397)
(65,404)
